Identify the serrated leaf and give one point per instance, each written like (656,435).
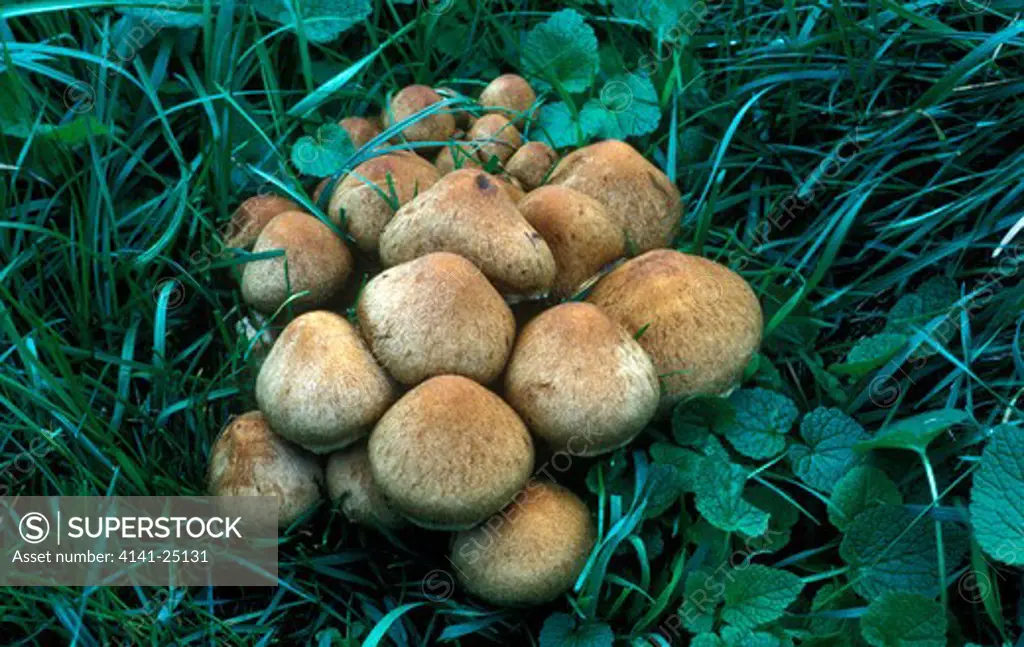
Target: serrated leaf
(562,49)
(870,353)
(322,20)
(665,484)
(831,597)
(862,488)
(563,630)
(703,591)
(828,455)
(706,640)
(673,19)
(887,551)
(904,620)
(686,461)
(557,126)
(325,153)
(916,432)
(997,496)
(756,595)
(761,421)
(738,637)
(719,498)
(627,106)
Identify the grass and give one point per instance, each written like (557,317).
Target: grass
(890,131)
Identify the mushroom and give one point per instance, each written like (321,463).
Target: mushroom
(360,130)
(698,320)
(581,235)
(320,387)
(366,199)
(494,136)
(580,381)
(468,213)
(637,195)
(433,315)
(456,155)
(314,259)
(411,100)
(249,459)
(529,553)
(531,163)
(350,481)
(252,216)
(511,93)
(511,188)
(450,453)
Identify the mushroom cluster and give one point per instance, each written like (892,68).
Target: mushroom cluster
(468,347)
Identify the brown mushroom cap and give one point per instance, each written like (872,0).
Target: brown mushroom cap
(456,155)
(450,453)
(317,261)
(580,381)
(350,480)
(511,92)
(702,322)
(468,213)
(531,163)
(249,459)
(531,552)
(412,99)
(436,315)
(360,130)
(358,199)
(582,237)
(320,387)
(252,216)
(637,195)
(494,136)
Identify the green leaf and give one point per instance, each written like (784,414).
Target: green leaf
(325,153)
(686,461)
(887,551)
(706,640)
(784,514)
(562,49)
(904,620)
(322,20)
(693,420)
(703,592)
(916,432)
(831,597)
(762,419)
(870,353)
(563,630)
(627,106)
(675,20)
(997,496)
(862,488)
(557,126)
(666,486)
(738,637)
(828,455)
(719,494)
(165,17)
(756,595)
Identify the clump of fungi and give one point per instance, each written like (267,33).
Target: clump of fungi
(464,351)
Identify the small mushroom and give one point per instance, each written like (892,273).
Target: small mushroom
(468,213)
(635,193)
(450,453)
(531,163)
(360,130)
(434,315)
(249,459)
(350,481)
(456,155)
(580,381)
(494,136)
(411,100)
(698,320)
(511,93)
(529,553)
(366,199)
(320,386)
(252,216)
(582,238)
(314,259)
